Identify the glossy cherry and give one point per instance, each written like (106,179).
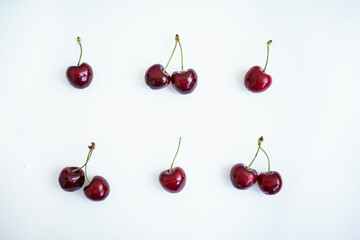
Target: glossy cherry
(156,77)
(98,189)
(241,177)
(79,76)
(184,81)
(256,80)
(71,180)
(173,180)
(270,182)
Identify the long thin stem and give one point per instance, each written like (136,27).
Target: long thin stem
(92,147)
(87,178)
(253,158)
(182,57)
(171,55)
(267,159)
(267,57)
(170,171)
(87,160)
(78,39)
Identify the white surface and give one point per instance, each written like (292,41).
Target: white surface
(309,118)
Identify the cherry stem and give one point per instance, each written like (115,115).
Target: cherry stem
(92,147)
(170,171)
(267,159)
(182,56)
(171,54)
(78,39)
(254,158)
(261,139)
(267,57)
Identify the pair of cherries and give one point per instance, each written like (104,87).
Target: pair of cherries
(184,82)
(73,178)
(243,177)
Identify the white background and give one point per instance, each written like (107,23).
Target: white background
(309,118)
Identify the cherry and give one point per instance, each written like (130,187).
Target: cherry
(173,180)
(156,76)
(98,189)
(242,177)
(256,80)
(270,182)
(71,180)
(80,76)
(184,81)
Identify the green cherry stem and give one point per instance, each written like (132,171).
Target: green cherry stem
(92,147)
(267,57)
(267,159)
(170,171)
(254,158)
(78,39)
(259,146)
(182,56)
(171,53)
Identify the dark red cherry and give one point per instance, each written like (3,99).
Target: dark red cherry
(71,181)
(256,80)
(156,77)
(80,76)
(98,189)
(173,182)
(241,177)
(184,82)
(270,183)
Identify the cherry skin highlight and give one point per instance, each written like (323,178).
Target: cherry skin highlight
(71,181)
(241,177)
(173,182)
(185,81)
(80,76)
(156,77)
(98,189)
(256,80)
(270,183)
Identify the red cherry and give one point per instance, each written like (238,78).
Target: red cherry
(241,177)
(71,180)
(270,183)
(79,76)
(173,182)
(256,80)
(184,82)
(98,189)
(156,77)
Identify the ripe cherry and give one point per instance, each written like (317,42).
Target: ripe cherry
(184,81)
(173,180)
(256,80)
(79,76)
